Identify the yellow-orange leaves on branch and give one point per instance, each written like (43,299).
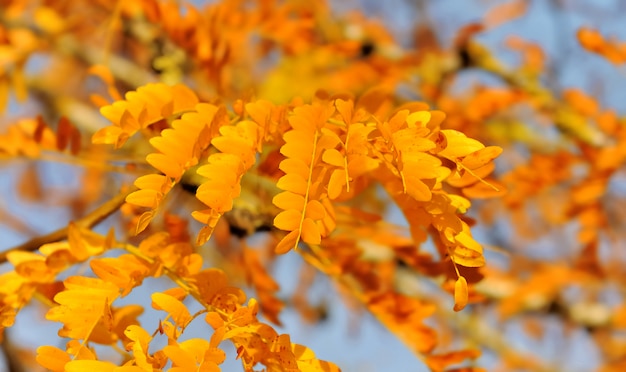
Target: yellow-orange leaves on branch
(410,135)
(307,361)
(353,159)
(179,148)
(301,201)
(238,145)
(174,307)
(126,271)
(82,305)
(466,251)
(147,105)
(474,163)
(195,355)
(139,343)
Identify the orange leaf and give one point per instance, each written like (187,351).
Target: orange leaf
(458,145)
(175,308)
(310,232)
(333,157)
(145,198)
(295,166)
(290,241)
(583,103)
(165,164)
(90,365)
(417,188)
(487,189)
(460,294)
(336,183)
(289,200)
(52,358)
(294,183)
(481,157)
(504,12)
(288,220)
(315,210)
(439,362)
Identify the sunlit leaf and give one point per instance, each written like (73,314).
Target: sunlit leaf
(460,294)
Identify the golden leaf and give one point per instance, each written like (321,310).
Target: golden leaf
(460,294)
(175,308)
(52,358)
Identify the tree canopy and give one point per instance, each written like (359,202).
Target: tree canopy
(161,157)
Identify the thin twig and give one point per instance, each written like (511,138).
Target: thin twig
(90,220)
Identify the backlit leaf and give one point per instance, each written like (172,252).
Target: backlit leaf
(52,358)
(175,308)
(289,200)
(460,294)
(310,232)
(288,220)
(333,157)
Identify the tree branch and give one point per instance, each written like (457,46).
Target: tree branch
(90,220)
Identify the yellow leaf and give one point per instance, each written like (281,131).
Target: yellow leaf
(156,182)
(310,232)
(242,148)
(290,241)
(52,358)
(468,241)
(336,183)
(108,135)
(165,164)
(417,189)
(298,145)
(220,198)
(333,157)
(458,145)
(412,140)
(460,203)
(467,257)
(288,220)
(421,117)
(175,308)
(140,342)
(144,221)
(294,183)
(145,198)
(460,294)
(289,200)
(315,210)
(126,271)
(307,361)
(83,303)
(181,359)
(89,365)
(294,166)
(481,157)
(484,189)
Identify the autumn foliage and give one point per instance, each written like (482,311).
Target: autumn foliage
(207,141)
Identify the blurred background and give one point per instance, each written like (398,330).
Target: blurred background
(343,332)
